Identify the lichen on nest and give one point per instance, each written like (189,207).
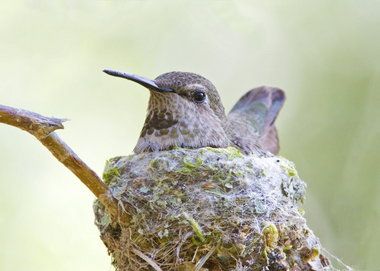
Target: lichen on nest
(208,209)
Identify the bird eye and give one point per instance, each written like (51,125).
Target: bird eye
(199,96)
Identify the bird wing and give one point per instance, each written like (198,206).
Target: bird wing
(258,109)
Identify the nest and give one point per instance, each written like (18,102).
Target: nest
(207,209)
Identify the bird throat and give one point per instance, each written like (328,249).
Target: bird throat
(172,121)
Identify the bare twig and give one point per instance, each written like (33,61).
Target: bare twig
(147,259)
(204,259)
(43,129)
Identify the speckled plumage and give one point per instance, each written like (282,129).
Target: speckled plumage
(175,117)
(172,121)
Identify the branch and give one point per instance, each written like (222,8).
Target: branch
(43,129)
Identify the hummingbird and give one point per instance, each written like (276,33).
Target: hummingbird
(185,110)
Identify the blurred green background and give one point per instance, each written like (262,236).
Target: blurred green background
(324,54)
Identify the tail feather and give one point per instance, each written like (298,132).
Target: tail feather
(259,108)
(269,140)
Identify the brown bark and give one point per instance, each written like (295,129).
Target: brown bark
(43,128)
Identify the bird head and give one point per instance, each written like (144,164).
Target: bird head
(184,110)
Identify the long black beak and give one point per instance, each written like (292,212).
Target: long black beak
(150,84)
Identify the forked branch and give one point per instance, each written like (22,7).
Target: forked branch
(43,129)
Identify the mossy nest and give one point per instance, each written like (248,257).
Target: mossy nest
(207,209)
